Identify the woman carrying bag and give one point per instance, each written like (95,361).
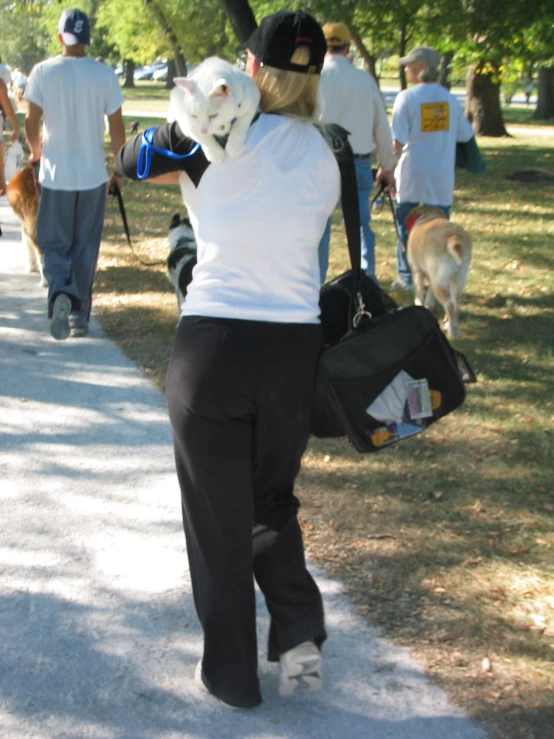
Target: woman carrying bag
(240,380)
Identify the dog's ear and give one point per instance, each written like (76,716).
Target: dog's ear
(175,221)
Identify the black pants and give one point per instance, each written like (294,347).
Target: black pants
(239,395)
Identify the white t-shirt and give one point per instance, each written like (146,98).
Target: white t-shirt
(351,98)
(74,93)
(260,219)
(428,121)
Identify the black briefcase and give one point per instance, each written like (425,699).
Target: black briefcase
(386,380)
(385,373)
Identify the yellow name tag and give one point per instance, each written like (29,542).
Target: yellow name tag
(434,117)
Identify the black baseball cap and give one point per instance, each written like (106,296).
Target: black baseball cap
(280,34)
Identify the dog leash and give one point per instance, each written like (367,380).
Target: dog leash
(147,146)
(379,195)
(116,192)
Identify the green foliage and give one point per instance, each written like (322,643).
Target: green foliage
(199,27)
(23,38)
(132,29)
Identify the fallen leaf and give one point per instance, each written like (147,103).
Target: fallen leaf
(486,665)
(517,552)
(469,562)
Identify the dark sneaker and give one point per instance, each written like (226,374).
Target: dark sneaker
(199,679)
(59,323)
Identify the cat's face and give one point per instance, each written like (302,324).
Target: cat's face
(207,114)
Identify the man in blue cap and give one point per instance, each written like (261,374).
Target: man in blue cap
(72,93)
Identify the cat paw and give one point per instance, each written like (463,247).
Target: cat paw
(234,148)
(216,156)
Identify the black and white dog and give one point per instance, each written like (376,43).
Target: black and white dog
(182,256)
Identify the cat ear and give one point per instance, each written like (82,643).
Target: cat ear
(220,88)
(185,83)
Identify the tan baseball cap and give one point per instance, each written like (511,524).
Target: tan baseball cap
(336,34)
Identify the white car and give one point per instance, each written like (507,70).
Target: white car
(145,73)
(160,75)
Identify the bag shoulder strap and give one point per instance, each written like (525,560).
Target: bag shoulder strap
(337,139)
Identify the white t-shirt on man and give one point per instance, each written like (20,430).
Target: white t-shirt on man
(260,219)
(74,93)
(351,98)
(428,121)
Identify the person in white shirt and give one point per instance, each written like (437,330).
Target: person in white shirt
(427,122)
(71,93)
(19,80)
(240,381)
(6,111)
(351,98)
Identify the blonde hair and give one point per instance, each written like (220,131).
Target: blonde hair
(289,93)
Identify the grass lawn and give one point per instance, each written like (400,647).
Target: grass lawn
(445,541)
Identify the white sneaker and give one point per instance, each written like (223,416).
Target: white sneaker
(300,664)
(401,284)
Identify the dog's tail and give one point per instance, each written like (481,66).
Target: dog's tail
(454,246)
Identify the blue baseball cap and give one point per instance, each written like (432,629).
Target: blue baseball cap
(74,27)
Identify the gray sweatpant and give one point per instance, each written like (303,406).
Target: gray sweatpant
(69,231)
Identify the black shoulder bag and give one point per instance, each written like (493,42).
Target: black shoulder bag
(385,373)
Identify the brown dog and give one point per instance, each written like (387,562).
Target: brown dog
(23,197)
(441,252)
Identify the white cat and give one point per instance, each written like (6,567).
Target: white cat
(216,99)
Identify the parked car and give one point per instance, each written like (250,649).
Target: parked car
(160,75)
(145,73)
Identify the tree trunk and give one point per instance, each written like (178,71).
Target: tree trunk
(545,91)
(444,72)
(402,44)
(129,67)
(483,104)
(369,60)
(173,71)
(241,18)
